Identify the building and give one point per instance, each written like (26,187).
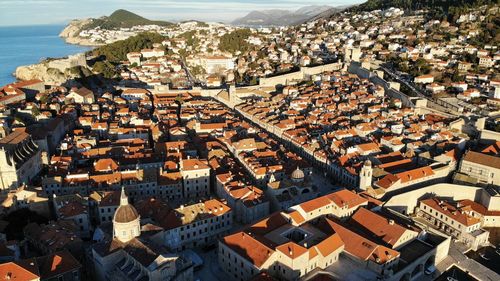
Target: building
(482,167)
(150,53)
(424,79)
(128,256)
(288,192)
(340,204)
(23,198)
(20,160)
(76,209)
(195,225)
(486,61)
(81,95)
(105,204)
(454,220)
(196,178)
(54,237)
(134,57)
(58,266)
(248,202)
(365,176)
(217,64)
(279,245)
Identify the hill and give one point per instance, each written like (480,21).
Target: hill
(118,50)
(439,6)
(280,17)
(122,18)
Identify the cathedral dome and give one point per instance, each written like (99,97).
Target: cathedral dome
(298,174)
(125,212)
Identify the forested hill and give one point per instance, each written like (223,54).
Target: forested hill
(122,18)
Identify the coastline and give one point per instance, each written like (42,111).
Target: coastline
(44,42)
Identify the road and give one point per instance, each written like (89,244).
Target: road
(210,271)
(400,80)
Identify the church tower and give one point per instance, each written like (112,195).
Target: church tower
(126,221)
(365,175)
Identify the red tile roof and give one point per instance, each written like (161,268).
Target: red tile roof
(248,247)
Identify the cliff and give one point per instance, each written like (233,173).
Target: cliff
(54,72)
(71,33)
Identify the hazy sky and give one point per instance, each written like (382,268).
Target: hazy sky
(29,12)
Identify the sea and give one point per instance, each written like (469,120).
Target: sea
(23,45)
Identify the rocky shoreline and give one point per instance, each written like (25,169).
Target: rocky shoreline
(55,71)
(71,32)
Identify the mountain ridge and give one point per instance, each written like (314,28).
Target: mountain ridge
(280,17)
(122,18)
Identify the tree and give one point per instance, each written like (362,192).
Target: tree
(105,68)
(235,41)
(117,51)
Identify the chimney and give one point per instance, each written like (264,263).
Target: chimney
(391,222)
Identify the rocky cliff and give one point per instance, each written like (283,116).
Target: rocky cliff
(71,33)
(51,76)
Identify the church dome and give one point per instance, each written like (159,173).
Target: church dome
(368,163)
(125,212)
(298,174)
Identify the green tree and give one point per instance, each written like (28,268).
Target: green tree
(117,51)
(105,68)
(235,41)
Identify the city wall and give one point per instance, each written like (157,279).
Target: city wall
(304,71)
(406,202)
(364,73)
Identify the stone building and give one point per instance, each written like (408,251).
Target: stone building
(128,256)
(20,160)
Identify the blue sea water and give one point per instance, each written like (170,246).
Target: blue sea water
(23,45)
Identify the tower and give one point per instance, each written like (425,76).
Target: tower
(126,221)
(365,176)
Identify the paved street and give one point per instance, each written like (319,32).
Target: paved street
(210,271)
(324,184)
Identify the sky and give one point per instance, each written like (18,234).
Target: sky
(36,12)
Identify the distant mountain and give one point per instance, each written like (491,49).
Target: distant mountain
(442,5)
(280,17)
(122,18)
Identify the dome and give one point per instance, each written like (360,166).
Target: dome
(297,174)
(125,213)
(368,163)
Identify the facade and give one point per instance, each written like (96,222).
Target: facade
(196,225)
(216,64)
(365,176)
(483,167)
(76,209)
(81,96)
(454,221)
(340,204)
(196,178)
(20,160)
